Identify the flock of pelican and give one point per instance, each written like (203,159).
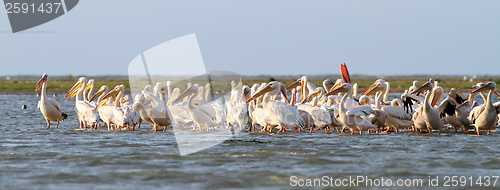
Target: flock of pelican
(300,106)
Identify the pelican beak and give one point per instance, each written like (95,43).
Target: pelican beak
(109,94)
(426,86)
(372,90)
(466,103)
(148,102)
(41,81)
(283,93)
(345,73)
(72,92)
(311,96)
(88,86)
(97,94)
(294,84)
(488,86)
(183,94)
(338,89)
(267,89)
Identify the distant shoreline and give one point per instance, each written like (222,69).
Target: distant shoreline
(397,84)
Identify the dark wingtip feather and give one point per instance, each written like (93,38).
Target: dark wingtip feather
(64,115)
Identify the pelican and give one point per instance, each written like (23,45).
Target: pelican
(198,114)
(484,117)
(50,108)
(180,114)
(106,111)
(320,113)
(158,113)
(356,118)
(306,117)
(85,110)
(426,116)
(87,95)
(459,118)
(121,115)
(395,117)
(239,111)
(278,113)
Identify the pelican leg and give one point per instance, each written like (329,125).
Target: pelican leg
(338,129)
(455,129)
(253,126)
(439,131)
(377,132)
(209,128)
(489,131)
(164,128)
(352,132)
(360,131)
(81,124)
(140,122)
(57,126)
(397,131)
(128,128)
(478,132)
(311,130)
(48,123)
(388,128)
(369,131)
(155,128)
(327,129)
(343,129)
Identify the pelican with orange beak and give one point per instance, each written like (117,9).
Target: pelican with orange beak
(279,113)
(355,119)
(484,117)
(84,110)
(431,117)
(121,115)
(50,108)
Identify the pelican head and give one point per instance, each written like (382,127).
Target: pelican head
(104,89)
(273,87)
(466,103)
(115,91)
(378,85)
(340,88)
(317,92)
(294,84)
(72,92)
(41,81)
(427,86)
(490,86)
(191,90)
(364,100)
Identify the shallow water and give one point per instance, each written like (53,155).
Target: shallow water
(34,157)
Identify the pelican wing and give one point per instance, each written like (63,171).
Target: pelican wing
(360,111)
(56,104)
(497,107)
(287,113)
(475,112)
(397,112)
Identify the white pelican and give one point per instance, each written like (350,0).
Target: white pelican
(395,117)
(320,113)
(458,119)
(121,115)
(180,114)
(85,110)
(105,112)
(278,113)
(356,118)
(50,108)
(158,113)
(198,114)
(484,117)
(239,111)
(430,117)
(306,117)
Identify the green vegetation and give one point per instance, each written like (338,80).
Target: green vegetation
(398,84)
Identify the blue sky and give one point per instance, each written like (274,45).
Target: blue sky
(266,37)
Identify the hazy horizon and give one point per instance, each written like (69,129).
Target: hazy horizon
(271,38)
